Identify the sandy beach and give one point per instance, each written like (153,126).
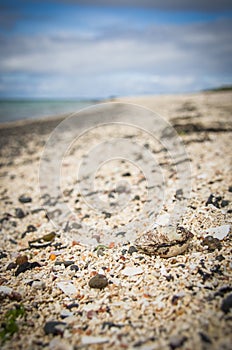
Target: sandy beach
(59,292)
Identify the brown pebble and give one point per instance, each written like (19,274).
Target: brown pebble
(99,281)
(21,259)
(212,243)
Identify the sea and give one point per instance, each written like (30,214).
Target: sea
(13,110)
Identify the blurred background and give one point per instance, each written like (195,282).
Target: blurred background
(57,55)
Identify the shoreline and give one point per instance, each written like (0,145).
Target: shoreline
(143,100)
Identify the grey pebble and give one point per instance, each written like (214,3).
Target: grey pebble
(53,327)
(24,199)
(99,282)
(132,250)
(19,213)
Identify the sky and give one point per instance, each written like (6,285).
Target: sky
(100,48)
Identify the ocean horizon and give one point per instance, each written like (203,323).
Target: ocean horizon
(21,109)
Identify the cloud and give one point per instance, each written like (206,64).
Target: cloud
(116,60)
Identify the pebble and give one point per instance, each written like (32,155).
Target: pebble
(212,243)
(179,194)
(219,232)
(3,255)
(98,281)
(132,250)
(224,203)
(54,327)
(24,199)
(230,189)
(136,197)
(21,259)
(132,271)
(26,266)
(19,213)
(66,263)
(74,267)
(11,266)
(227,304)
(214,200)
(205,338)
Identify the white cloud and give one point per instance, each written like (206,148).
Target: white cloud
(83,63)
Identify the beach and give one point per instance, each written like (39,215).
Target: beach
(137,301)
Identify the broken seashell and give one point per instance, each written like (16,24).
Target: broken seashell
(165,241)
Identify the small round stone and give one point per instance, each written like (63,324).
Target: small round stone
(99,282)
(19,213)
(21,259)
(24,199)
(132,250)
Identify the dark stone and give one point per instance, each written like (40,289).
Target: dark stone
(214,201)
(205,338)
(136,198)
(26,266)
(31,228)
(3,255)
(121,233)
(74,267)
(66,263)
(227,304)
(11,266)
(19,213)
(110,325)
(205,275)
(220,257)
(72,305)
(175,299)
(212,243)
(216,269)
(132,250)
(169,278)
(223,290)
(24,199)
(51,327)
(126,174)
(124,251)
(98,281)
(179,194)
(230,189)
(224,203)
(107,215)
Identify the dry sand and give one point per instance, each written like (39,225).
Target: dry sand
(144,302)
